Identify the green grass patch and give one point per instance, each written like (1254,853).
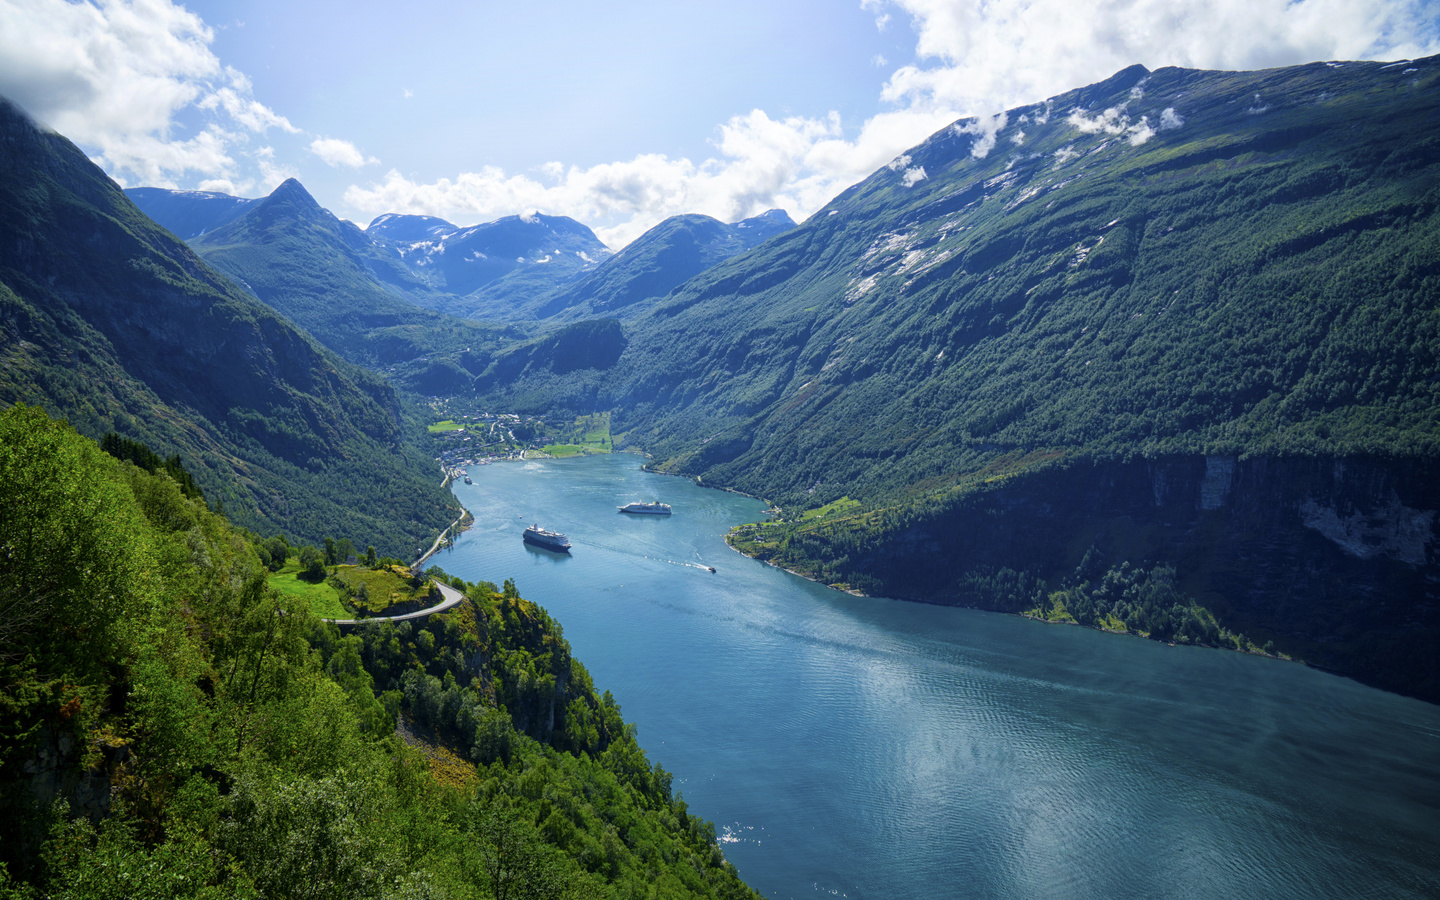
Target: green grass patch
(370,592)
(834,507)
(324,600)
(447,425)
(590,433)
(373,591)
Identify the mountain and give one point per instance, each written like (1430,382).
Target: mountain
(111,321)
(188,214)
(489,271)
(1184,319)
(541,267)
(659,261)
(136,764)
(374,296)
(354,295)
(403,230)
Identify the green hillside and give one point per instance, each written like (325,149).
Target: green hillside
(659,261)
(113,323)
(1186,319)
(1245,282)
(352,295)
(173,729)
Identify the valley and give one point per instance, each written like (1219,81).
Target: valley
(1124,283)
(1157,356)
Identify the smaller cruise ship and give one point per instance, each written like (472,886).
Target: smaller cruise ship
(647,509)
(549,540)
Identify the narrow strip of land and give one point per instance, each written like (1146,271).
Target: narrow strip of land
(436,546)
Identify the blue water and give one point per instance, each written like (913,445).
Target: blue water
(869,748)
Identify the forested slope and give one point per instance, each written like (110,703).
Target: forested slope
(659,261)
(112,322)
(1190,320)
(1258,276)
(353,295)
(173,729)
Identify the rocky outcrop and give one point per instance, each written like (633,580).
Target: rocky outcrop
(1337,561)
(54,773)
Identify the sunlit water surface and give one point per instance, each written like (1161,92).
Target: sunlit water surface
(869,748)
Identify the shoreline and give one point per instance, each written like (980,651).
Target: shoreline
(854,592)
(449,530)
(857,593)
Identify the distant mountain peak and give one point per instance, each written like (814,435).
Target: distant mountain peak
(189,214)
(390,220)
(771,219)
(291,190)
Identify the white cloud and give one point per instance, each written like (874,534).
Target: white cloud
(983,56)
(797,164)
(336,152)
(913,176)
(986,129)
(113,76)
(1114,121)
(1140,132)
(235,99)
(272,173)
(975,58)
(218,185)
(136,83)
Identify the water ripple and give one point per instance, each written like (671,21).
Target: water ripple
(897,750)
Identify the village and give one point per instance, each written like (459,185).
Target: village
(471,439)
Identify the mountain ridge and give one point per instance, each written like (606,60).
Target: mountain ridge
(486,271)
(660,260)
(188,214)
(352,294)
(114,323)
(1166,269)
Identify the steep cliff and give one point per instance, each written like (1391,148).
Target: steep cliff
(1332,560)
(111,321)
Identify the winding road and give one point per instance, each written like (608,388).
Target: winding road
(451,599)
(436,546)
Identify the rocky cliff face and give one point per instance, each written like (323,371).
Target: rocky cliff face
(1335,560)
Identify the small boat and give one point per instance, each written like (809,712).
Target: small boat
(548,540)
(467,480)
(647,509)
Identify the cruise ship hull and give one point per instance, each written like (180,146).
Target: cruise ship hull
(647,509)
(547,540)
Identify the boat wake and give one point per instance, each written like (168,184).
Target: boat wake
(673,562)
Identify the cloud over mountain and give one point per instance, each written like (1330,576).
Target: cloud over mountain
(984,57)
(116,77)
(139,84)
(337,152)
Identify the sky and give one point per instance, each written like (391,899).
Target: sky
(618,114)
